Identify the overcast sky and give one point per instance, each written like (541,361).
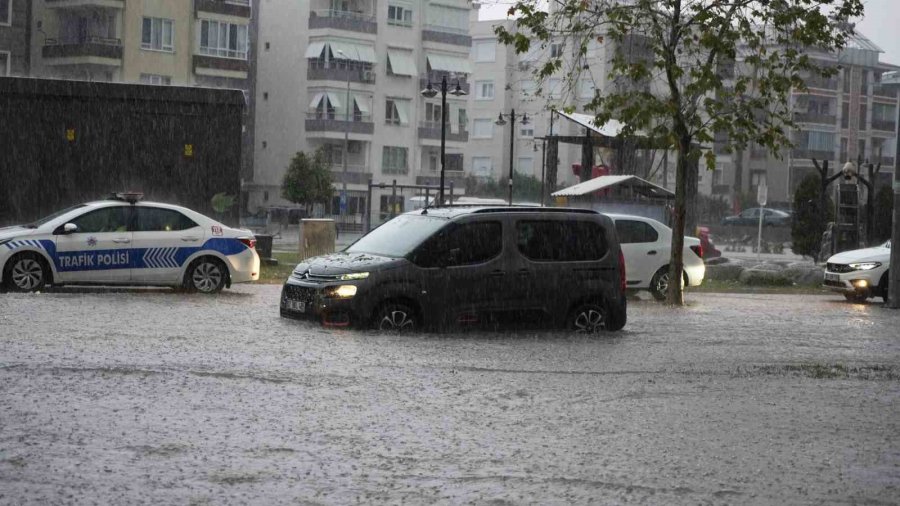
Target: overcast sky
(881,24)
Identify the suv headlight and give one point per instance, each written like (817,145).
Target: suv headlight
(865,266)
(340,292)
(354,276)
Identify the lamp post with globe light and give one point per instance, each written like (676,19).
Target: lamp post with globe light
(512,143)
(431,92)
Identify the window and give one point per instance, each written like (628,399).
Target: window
(463,119)
(483,128)
(528,88)
(394,160)
(554,88)
(156,79)
(226,40)
(485,50)
(820,141)
(484,90)
(880,112)
(630,231)
(561,241)
(526,132)
(396,111)
(863,109)
(110,219)
(4,63)
(461,244)
(155,219)
(861,143)
(481,166)
(355,204)
(157,34)
(844,146)
(556,50)
(433,113)
(399,15)
(454,162)
(448,19)
(586,88)
(526,166)
(845,114)
(757,177)
(5,13)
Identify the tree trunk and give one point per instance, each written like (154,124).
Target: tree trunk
(552,169)
(675,295)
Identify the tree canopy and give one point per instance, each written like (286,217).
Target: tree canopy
(689,72)
(308,179)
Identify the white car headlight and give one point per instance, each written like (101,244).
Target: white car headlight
(354,275)
(865,266)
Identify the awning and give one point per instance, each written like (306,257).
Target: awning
(333,98)
(352,51)
(316,101)
(402,111)
(449,63)
(634,183)
(362,103)
(402,63)
(611,128)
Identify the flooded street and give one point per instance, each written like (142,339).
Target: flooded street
(153,396)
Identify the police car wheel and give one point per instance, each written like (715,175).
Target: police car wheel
(26,272)
(206,275)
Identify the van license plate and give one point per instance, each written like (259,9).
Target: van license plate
(297,305)
(832,277)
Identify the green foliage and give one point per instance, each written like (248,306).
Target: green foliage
(222,202)
(525,188)
(810,219)
(884,209)
(308,179)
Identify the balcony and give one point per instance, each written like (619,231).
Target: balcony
(359,124)
(355,174)
(88,50)
(343,20)
(445,35)
(885,126)
(221,66)
(822,83)
(434,77)
(884,91)
(821,119)
(805,154)
(80,4)
(721,189)
(457,178)
(319,71)
(432,130)
(237,8)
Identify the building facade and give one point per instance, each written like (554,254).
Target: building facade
(847,117)
(346,76)
(14,37)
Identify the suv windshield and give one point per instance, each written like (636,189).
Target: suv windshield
(398,237)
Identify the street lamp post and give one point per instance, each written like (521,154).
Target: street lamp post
(512,143)
(430,92)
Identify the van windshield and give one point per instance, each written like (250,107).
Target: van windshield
(398,237)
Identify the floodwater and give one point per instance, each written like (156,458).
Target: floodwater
(152,396)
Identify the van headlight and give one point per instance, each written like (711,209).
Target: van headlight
(340,291)
(865,266)
(351,276)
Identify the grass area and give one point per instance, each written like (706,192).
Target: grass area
(277,274)
(718,286)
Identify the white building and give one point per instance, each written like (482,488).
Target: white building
(388,51)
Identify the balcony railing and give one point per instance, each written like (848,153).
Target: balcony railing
(343,20)
(101,47)
(227,64)
(884,160)
(880,90)
(334,122)
(432,130)
(886,126)
(351,167)
(434,77)
(812,153)
(238,8)
(822,83)
(222,53)
(100,4)
(318,71)
(447,35)
(808,117)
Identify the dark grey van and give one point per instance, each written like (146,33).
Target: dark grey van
(458,266)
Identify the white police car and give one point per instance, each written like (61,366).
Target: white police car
(122,241)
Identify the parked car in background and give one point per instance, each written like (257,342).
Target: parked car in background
(750,217)
(122,241)
(647,246)
(860,273)
(469,265)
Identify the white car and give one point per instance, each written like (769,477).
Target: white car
(646,245)
(860,273)
(123,241)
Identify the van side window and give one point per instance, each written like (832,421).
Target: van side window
(561,241)
(631,231)
(467,244)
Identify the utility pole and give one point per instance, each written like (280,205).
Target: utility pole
(893,302)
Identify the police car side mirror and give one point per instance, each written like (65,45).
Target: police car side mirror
(69,228)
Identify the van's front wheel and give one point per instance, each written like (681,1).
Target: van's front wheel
(396,317)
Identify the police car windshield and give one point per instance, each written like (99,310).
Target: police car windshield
(398,237)
(52,217)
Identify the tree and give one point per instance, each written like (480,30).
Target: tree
(884,212)
(670,71)
(308,180)
(810,218)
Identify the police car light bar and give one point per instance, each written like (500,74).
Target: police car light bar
(130,197)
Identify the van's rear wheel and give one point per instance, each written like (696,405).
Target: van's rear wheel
(588,319)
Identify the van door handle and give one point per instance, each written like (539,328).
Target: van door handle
(651,252)
(123,240)
(497,274)
(523,272)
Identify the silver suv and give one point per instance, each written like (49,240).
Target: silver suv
(461,266)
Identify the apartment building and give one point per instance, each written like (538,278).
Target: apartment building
(14,37)
(848,117)
(331,70)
